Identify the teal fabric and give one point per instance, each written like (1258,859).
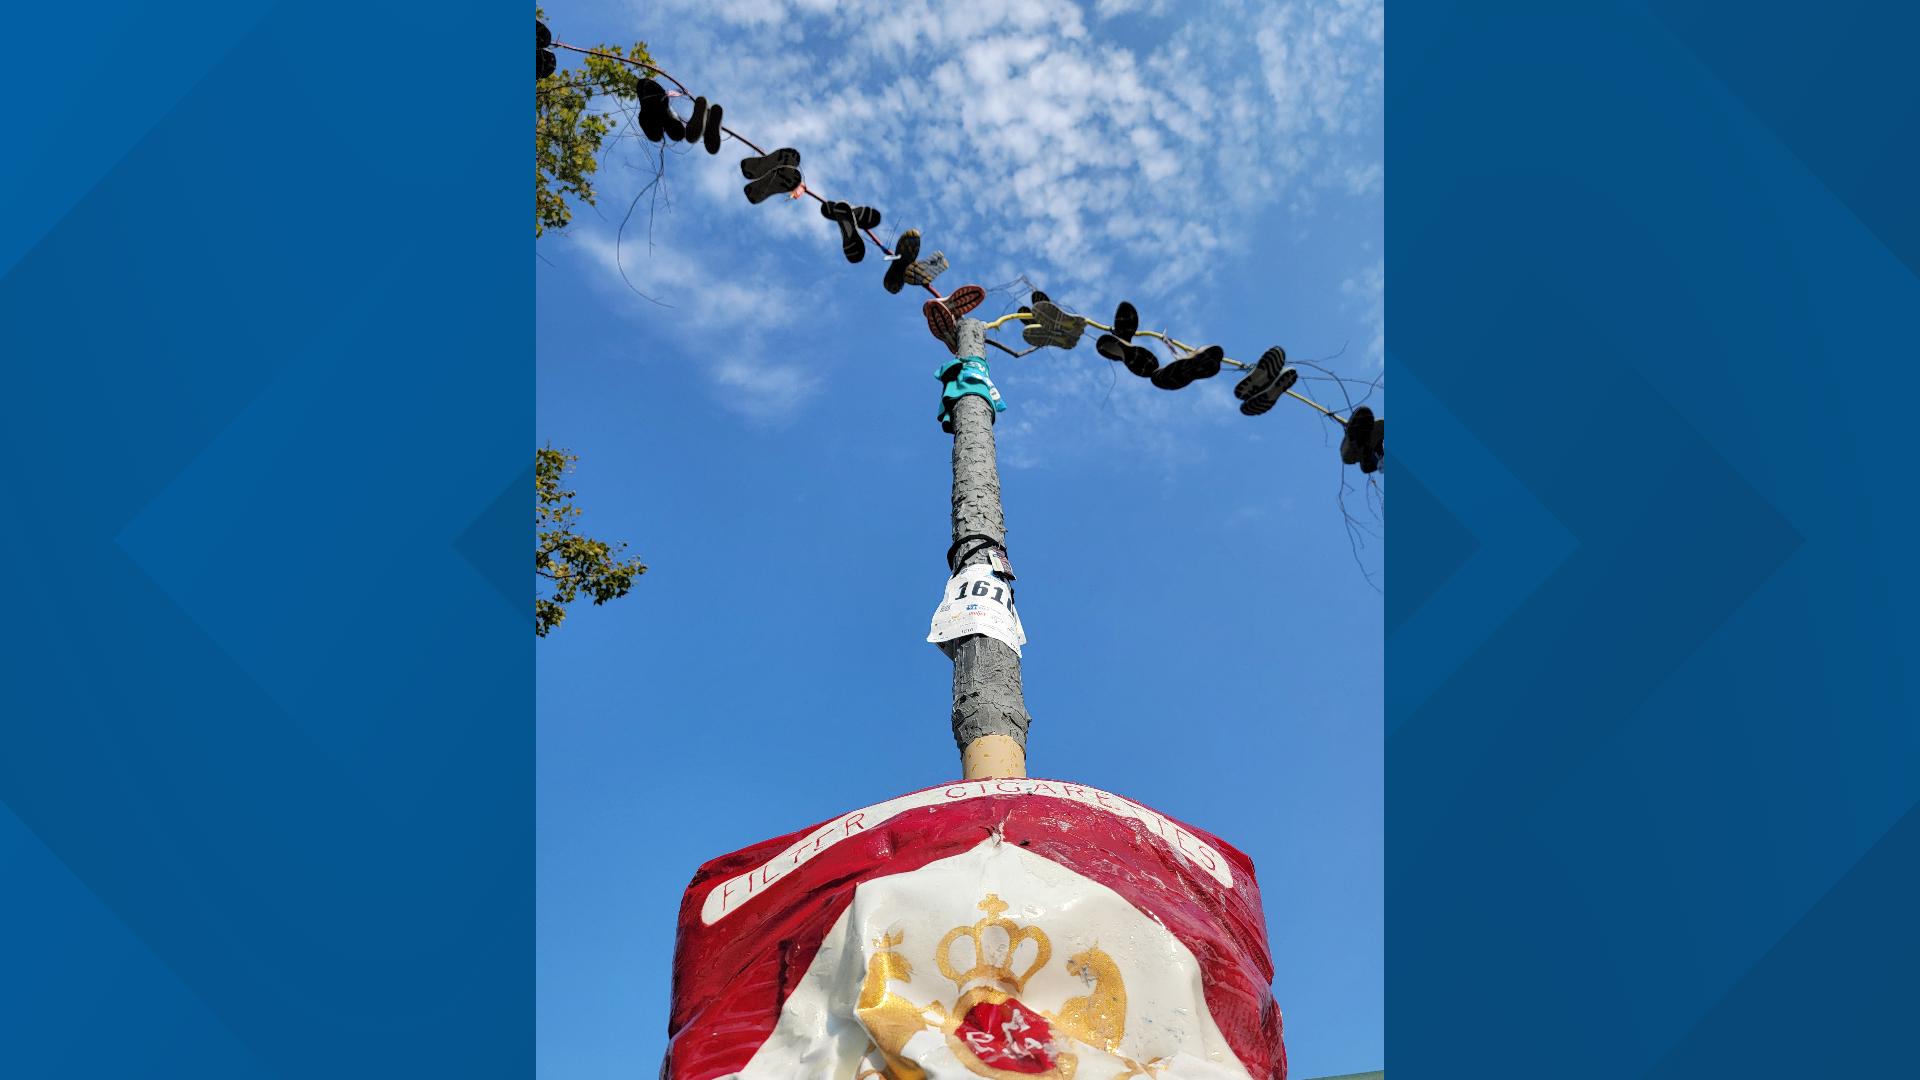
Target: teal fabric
(963,376)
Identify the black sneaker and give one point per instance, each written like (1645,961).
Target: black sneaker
(1358,440)
(778,182)
(1376,447)
(1178,375)
(1138,358)
(754,168)
(697,123)
(851,220)
(906,249)
(653,110)
(1263,386)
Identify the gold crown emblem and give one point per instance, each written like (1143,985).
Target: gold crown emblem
(996,944)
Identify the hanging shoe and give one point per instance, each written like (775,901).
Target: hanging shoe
(697,123)
(1261,402)
(1126,321)
(1263,386)
(1038,297)
(941,322)
(924,271)
(777,182)
(713,132)
(905,250)
(754,168)
(1358,439)
(1376,447)
(841,214)
(674,128)
(1138,358)
(1051,326)
(1271,363)
(851,220)
(653,109)
(1204,364)
(944,314)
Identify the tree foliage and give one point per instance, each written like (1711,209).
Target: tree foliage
(568,132)
(566,564)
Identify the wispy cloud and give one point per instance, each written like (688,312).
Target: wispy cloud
(1367,292)
(1365,179)
(720,321)
(1021,141)
(1107,9)
(1023,137)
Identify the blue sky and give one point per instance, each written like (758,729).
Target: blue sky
(1202,637)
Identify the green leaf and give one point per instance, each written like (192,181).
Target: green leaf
(564,562)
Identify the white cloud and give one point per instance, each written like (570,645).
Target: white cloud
(1365,179)
(1019,141)
(705,308)
(760,390)
(1367,292)
(1324,63)
(682,283)
(1107,9)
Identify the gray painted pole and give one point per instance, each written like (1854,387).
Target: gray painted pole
(989,710)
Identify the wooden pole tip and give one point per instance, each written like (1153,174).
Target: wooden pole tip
(991,757)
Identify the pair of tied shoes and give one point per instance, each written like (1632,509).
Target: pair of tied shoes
(704,125)
(1269,379)
(1179,374)
(543,59)
(770,174)
(1188,369)
(657,121)
(905,251)
(1138,358)
(944,314)
(851,220)
(1119,347)
(1052,326)
(1365,442)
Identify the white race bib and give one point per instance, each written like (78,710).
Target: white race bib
(978,602)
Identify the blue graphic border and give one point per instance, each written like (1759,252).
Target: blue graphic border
(266,746)
(1652,747)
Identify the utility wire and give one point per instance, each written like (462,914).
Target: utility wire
(1018,316)
(1027,316)
(806,190)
